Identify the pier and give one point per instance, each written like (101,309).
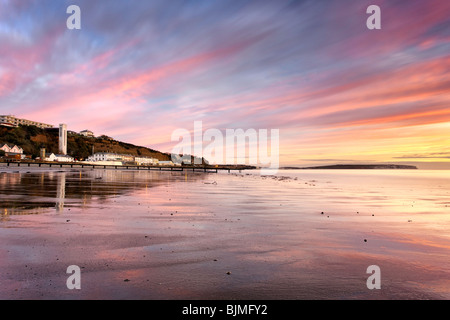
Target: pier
(74,165)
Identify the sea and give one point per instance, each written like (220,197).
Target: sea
(294,235)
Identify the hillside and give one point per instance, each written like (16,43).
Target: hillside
(32,139)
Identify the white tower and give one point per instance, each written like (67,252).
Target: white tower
(63,139)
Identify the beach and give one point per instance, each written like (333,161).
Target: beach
(299,234)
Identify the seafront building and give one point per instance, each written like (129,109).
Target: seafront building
(13,152)
(118,159)
(169,163)
(146,161)
(106,156)
(10,150)
(12,121)
(59,158)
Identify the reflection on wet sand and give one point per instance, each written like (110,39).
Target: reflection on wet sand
(60,191)
(32,192)
(309,235)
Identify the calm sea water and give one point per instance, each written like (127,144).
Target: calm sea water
(301,234)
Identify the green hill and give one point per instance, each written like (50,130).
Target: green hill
(32,139)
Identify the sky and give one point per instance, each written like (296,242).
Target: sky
(139,70)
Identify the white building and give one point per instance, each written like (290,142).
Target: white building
(145,161)
(103,163)
(11,150)
(87,133)
(168,163)
(12,121)
(106,156)
(59,158)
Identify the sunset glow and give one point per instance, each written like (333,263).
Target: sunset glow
(137,71)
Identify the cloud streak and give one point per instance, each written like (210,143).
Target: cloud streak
(137,71)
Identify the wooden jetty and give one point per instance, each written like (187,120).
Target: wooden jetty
(197,168)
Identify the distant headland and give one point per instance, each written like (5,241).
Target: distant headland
(356,166)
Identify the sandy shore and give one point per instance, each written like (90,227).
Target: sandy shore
(152,235)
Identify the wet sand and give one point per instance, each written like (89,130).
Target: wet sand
(163,235)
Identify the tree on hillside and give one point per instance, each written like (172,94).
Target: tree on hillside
(31,131)
(105,137)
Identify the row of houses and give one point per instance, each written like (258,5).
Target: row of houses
(16,152)
(97,158)
(106,158)
(115,158)
(13,152)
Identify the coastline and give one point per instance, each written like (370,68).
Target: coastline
(176,235)
(116,166)
(355,167)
